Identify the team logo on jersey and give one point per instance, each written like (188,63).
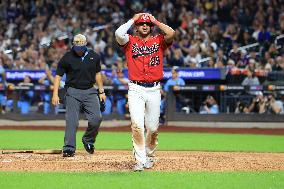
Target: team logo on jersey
(144,50)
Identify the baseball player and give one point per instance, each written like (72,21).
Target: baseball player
(144,56)
(82,68)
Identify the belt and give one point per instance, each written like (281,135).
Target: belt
(146,84)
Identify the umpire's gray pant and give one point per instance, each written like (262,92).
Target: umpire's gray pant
(88,101)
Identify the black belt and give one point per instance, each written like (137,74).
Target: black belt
(145,84)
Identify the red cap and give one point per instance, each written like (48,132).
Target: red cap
(144,18)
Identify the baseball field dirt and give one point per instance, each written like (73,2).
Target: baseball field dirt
(107,160)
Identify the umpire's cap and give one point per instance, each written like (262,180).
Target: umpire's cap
(144,18)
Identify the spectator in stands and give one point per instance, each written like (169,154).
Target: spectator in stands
(269,65)
(209,63)
(245,38)
(242,107)
(26,95)
(219,64)
(274,106)
(3,84)
(235,54)
(175,81)
(251,79)
(244,60)
(209,106)
(279,64)
(258,104)
(109,97)
(47,81)
(221,56)
(193,58)
(184,45)
(177,58)
(120,80)
(251,66)
(110,57)
(26,25)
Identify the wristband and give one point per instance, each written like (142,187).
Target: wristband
(101,92)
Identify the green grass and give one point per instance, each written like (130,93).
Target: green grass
(153,180)
(11,139)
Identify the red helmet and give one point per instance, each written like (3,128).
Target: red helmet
(144,18)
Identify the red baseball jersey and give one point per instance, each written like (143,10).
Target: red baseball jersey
(145,58)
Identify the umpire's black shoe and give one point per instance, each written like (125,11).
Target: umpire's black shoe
(68,153)
(89,148)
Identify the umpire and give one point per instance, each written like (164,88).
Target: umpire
(82,69)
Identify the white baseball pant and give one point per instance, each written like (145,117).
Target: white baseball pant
(144,108)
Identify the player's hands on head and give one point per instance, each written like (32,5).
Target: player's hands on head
(152,18)
(137,16)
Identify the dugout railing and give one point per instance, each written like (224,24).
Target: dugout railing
(191,97)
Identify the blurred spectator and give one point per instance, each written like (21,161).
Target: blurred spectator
(269,65)
(110,57)
(175,81)
(177,58)
(26,95)
(279,65)
(201,27)
(244,60)
(193,58)
(258,104)
(252,65)
(209,106)
(235,54)
(3,84)
(109,98)
(242,107)
(119,96)
(35,34)
(47,81)
(251,79)
(274,106)
(220,56)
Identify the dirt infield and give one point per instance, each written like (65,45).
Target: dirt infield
(104,161)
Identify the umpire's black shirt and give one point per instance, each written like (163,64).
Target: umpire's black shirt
(80,71)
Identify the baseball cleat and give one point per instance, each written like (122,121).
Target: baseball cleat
(138,167)
(149,163)
(89,148)
(68,153)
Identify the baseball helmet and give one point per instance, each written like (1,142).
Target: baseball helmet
(144,19)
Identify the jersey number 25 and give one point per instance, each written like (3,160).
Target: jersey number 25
(154,61)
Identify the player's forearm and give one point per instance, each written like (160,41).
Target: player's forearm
(169,32)
(99,82)
(121,33)
(56,85)
(51,78)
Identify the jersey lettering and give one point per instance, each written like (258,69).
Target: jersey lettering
(144,50)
